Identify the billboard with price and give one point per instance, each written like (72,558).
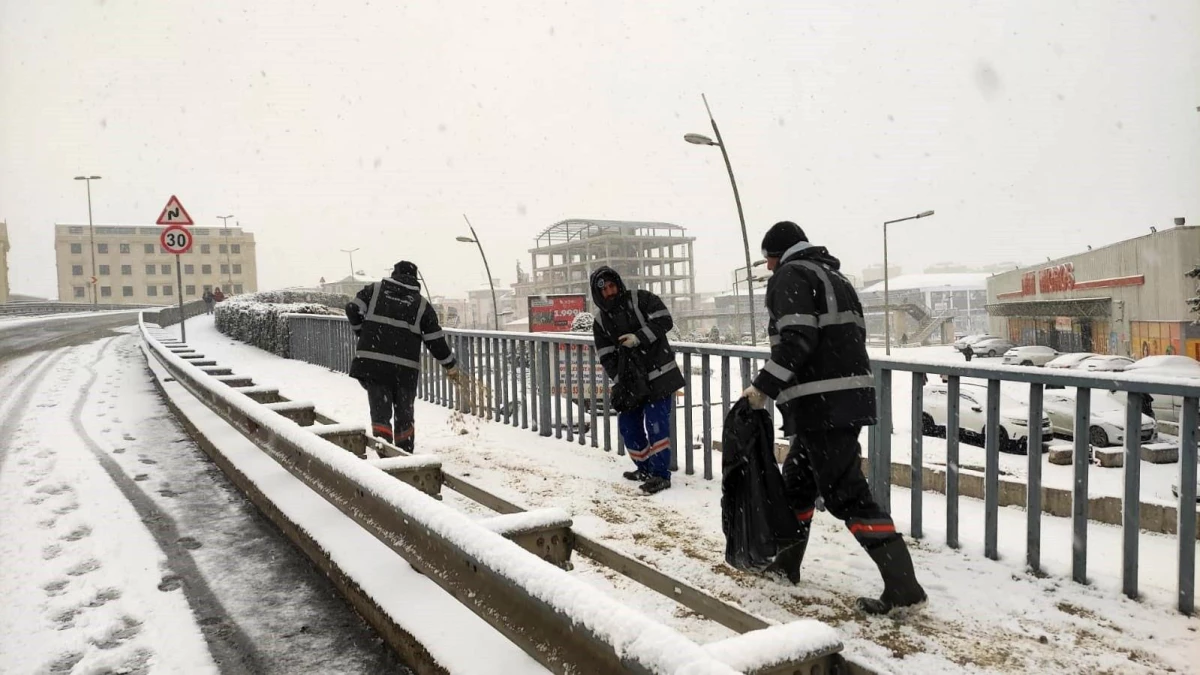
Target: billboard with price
(554,313)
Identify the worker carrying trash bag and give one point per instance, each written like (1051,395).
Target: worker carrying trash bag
(754,509)
(820,377)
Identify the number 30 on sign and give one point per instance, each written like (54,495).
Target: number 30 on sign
(176,239)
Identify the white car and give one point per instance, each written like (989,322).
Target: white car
(972,416)
(1029,356)
(1107,424)
(1069,360)
(1166,408)
(969,340)
(991,346)
(1105,363)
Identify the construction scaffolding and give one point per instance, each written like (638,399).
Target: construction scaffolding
(652,256)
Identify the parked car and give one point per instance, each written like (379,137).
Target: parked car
(964,342)
(1069,360)
(1173,362)
(1105,363)
(1029,356)
(1107,424)
(972,416)
(1166,408)
(991,346)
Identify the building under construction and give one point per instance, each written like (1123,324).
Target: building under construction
(653,256)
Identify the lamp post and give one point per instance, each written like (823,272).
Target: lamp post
(228,264)
(474,239)
(700,139)
(350,252)
(887,306)
(91,236)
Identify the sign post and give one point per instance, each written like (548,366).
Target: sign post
(177,239)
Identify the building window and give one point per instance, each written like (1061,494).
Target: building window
(127,291)
(104,270)
(102,248)
(208,287)
(76,270)
(224,269)
(168,291)
(126,270)
(106,291)
(124,248)
(166,269)
(237,289)
(76,249)
(152,291)
(222,249)
(189,269)
(151,268)
(149,248)
(206,269)
(237,269)
(79,291)
(205,248)
(236,248)
(189,290)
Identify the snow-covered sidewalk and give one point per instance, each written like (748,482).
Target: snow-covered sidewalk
(983,615)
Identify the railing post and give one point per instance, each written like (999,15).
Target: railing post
(917,463)
(991,472)
(593,384)
(568,390)
(523,371)
(725,393)
(1033,482)
(1185,530)
(1131,511)
(706,413)
(577,350)
(544,425)
(883,447)
(1079,496)
(689,465)
(952,434)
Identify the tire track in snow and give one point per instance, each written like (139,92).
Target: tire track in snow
(14,409)
(232,650)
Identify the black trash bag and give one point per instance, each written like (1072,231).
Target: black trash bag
(755,516)
(631,388)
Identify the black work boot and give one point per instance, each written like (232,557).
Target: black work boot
(787,562)
(655,484)
(900,587)
(637,475)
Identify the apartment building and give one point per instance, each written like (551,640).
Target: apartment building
(131,266)
(4,292)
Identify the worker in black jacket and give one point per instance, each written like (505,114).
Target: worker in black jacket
(392,320)
(638,321)
(820,377)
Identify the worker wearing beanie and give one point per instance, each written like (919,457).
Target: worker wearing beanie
(819,375)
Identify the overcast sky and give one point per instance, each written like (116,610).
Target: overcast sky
(1033,128)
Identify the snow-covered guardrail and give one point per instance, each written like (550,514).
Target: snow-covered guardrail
(565,624)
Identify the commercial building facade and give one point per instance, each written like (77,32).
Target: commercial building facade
(133,268)
(1127,298)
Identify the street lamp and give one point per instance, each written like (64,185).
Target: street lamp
(228,264)
(350,252)
(887,307)
(701,139)
(474,239)
(92,236)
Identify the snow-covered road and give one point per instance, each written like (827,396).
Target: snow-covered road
(125,550)
(984,616)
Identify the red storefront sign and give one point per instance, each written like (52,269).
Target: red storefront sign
(554,313)
(1057,279)
(1061,279)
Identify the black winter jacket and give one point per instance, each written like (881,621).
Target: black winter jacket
(819,373)
(392,320)
(643,314)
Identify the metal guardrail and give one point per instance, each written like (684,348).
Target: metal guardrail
(523,375)
(560,621)
(27,308)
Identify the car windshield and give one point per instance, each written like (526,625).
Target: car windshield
(1070,359)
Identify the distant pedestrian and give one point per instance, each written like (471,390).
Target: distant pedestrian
(218,296)
(637,321)
(820,377)
(208,301)
(392,320)
(967,352)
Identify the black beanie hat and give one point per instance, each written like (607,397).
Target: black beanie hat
(782,236)
(404,269)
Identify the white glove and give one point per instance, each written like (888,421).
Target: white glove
(629,340)
(757,399)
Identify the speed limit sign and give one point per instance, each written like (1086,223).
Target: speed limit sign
(176,239)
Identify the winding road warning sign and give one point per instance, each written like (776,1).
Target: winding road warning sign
(174,214)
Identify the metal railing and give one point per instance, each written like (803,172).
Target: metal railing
(531,381)
(28,308)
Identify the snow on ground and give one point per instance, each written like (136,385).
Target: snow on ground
(8,321)
(81,572)
(985,616)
